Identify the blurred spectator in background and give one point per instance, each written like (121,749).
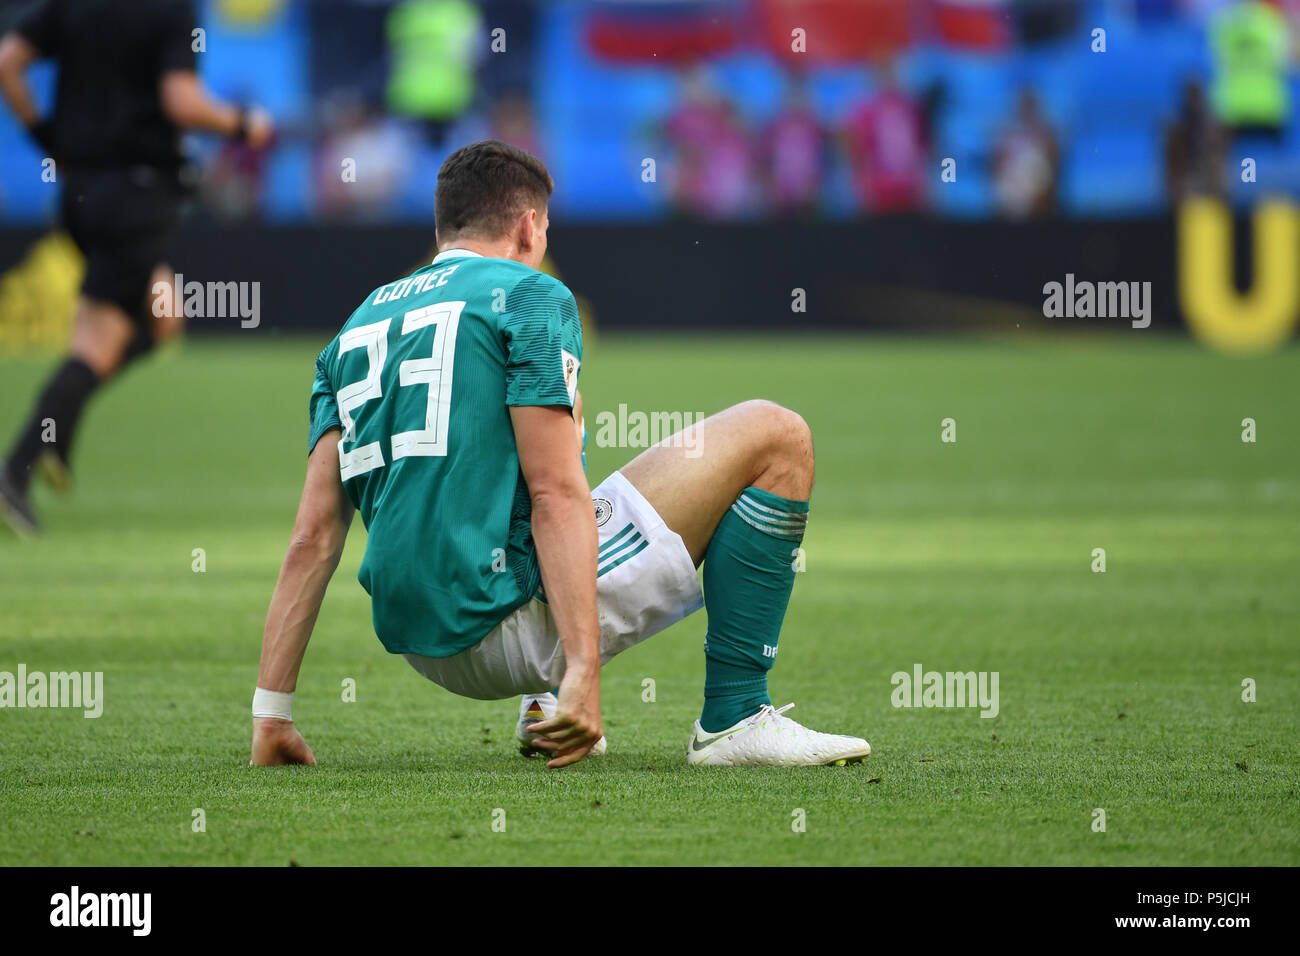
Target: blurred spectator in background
(713,161)
(1194,149)
(1291,10)
(1251,50)
(1026,163)
(362,161)
(232,183)
(793,148)
(933,103)
(887,149)
(232,186)
(512,122)
(508,118)
(434,46)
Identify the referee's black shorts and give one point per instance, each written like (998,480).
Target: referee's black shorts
(122,220)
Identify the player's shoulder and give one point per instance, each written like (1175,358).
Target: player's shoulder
(522,276)
(538,290)
(553,286)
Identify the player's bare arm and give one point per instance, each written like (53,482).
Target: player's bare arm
(577,418)
(564,529)
(319,533)
(189,105)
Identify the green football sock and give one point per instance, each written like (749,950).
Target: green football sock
(748,576)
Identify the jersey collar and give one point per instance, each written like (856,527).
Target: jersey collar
(454,254)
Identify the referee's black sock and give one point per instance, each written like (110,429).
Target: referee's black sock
(54,419)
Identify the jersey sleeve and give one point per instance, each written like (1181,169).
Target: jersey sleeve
(39,25)
(543,339)
(176,46)
(323,407)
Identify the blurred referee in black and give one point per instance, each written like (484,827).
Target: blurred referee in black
(127,88)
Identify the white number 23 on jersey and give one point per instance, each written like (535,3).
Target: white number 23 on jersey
(433,372)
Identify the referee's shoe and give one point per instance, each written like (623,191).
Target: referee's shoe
(16,510)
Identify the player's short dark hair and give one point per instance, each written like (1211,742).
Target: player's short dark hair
(485,186)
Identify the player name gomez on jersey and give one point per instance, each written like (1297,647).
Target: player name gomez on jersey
(420,380)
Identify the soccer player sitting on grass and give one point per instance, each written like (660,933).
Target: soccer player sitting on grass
(447,411)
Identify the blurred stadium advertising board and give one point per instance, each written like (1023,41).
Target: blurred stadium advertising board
(1231,281)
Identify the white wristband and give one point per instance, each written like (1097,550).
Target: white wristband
(273,703)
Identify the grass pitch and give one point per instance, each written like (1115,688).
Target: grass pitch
(1120,691)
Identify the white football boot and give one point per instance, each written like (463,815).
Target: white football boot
(538,707)
(769,739)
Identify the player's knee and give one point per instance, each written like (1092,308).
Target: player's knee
(787,437)
(784,427)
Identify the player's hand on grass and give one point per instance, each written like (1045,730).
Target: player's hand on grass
(277,742)
(576,726)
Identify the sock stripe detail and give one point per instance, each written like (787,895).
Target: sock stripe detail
(773,521)
(792,522)
(793,534)
(754,503)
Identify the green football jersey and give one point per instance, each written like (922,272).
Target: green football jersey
(420,381)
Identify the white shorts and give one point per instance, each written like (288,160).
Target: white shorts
(645,582)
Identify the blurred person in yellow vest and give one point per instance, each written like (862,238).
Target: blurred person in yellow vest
(435,45)
(1251,50)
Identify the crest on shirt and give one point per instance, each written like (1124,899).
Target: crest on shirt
(604,510)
